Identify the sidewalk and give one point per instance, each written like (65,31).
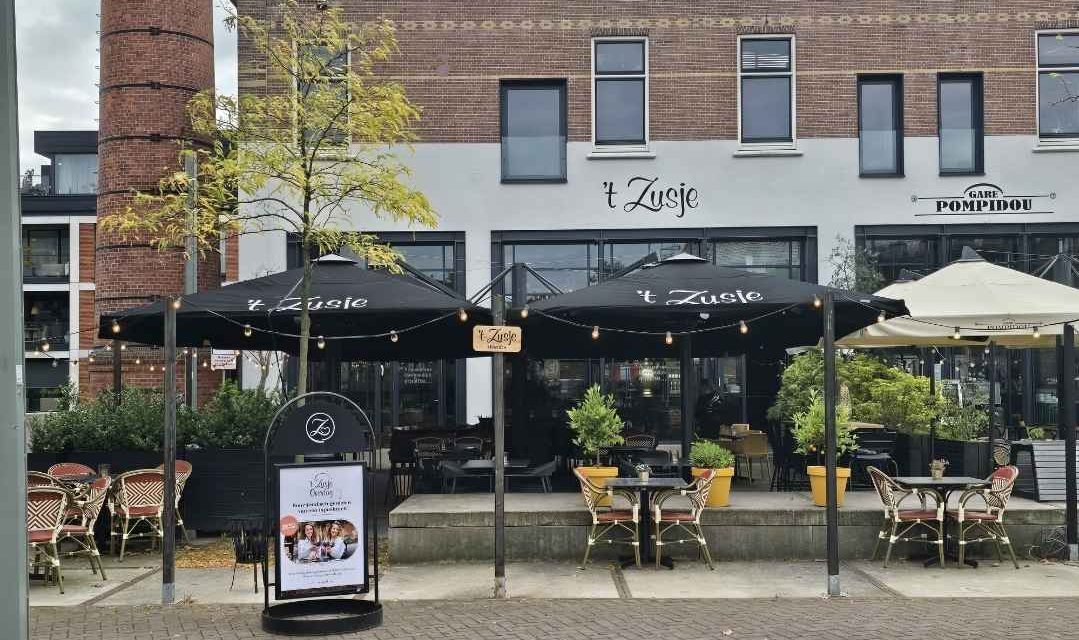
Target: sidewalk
(605,619)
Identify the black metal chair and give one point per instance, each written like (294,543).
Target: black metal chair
(875,449)
(542,473)
(453,471)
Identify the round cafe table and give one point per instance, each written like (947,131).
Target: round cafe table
(943,487)
(645,489)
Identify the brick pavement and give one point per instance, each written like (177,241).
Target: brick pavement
(801,619)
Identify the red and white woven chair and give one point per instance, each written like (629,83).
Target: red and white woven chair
(899,522)
(989,520)
(688,521)
(37,479)
(81,532)
(138,499)
(610,520)
(183,473)
(70,469)
(45,507)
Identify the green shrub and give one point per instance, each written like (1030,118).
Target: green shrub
(964,421)
(808,428)
(595,422)
(232,418)
(705,454)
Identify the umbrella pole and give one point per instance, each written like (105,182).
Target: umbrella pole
(930,360)
(688,376)
(1066,421)
(832,515)
(498,383)
(168,515)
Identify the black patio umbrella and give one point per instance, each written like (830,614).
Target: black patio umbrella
(361,313)
(722,310)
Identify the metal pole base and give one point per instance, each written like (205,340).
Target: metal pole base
(833,587)
(168,593)
(1073,552)
(500,587)
(321,617)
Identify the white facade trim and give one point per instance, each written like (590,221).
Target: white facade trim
(54,220)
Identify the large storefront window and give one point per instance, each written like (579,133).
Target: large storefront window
(567,266)
(894,256)
(781,258)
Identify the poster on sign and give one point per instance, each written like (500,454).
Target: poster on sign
(223,359)
(322,530)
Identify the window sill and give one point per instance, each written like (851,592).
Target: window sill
(961,174)
(620,154)
(767,152)
(533,181)
(1049,146)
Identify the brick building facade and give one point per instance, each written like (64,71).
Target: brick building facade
(796,127)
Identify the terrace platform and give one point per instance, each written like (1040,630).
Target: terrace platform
(757,526)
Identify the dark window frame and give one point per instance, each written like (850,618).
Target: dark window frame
(563,89)
(977,106)
(1043,70)
(788,73)
(896,80)
(630,76)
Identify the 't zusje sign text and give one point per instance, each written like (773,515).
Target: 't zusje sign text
(496,339)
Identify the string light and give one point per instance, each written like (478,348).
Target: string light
(393,336)
(669,339)
(247,331)
(108,347)
(955,334)
(1036,334)
(524,311)
(175,303)
(123,346)
(595,332)
(817,302)
(186,352)
(138,360)
(45,346)
(205,363)
(321,342)
(151,368)
(115,326)
(462,315)
(881,317)
(54,365)
(743,327)
(91,358)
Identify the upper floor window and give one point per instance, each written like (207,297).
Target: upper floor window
(1058,86)
(766,90)
(880,125)
(74,173)
(620,93)
(322,88)
(959,108)
(533,131)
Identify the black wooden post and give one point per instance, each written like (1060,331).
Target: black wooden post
(929,363)
(498,399)
(688,398)
(1066,421)
(995,401)
(832,510)
(168,515)
(117,371)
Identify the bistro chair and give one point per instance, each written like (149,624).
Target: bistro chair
(82,531)
(138,499)
(1002,453)
(453,471)
(875,449)
(988,522)
(36,479)
(428,452)
(45,507)
(609,520)
(899,522)
(642,440)
(183,474)
(70,469)
(752,446)
(688,521)
(542,473)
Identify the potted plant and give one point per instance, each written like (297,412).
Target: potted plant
(595,424)
(705,454)
(808,432)
(961,435)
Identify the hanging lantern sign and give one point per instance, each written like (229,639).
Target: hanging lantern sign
(489,339)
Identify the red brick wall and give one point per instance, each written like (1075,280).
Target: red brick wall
(454,53)
(87,260)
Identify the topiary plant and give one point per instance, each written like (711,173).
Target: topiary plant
(808,428)
(595,422)
(705,454)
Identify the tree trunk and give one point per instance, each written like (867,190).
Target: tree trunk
(305,316)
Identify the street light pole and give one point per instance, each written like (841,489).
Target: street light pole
(832,509)
(168,515)
(13,588)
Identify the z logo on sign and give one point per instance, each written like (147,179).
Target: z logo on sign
(320,427)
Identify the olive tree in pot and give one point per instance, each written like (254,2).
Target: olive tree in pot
(707,455)
(808,434)
(596,425)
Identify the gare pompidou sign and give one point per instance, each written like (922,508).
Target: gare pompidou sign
(984,198)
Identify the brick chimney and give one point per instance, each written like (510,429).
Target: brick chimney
(155,56)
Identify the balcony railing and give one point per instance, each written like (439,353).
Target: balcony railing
(47,267)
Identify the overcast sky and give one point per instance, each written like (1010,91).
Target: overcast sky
(57,48)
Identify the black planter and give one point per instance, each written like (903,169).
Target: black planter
(912,454)
(965,458)
(225,487)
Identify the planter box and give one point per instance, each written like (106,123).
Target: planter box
(971,458)
(1041,469)
(225,485)
(912,454)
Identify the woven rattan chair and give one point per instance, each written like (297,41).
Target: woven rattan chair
(81,532)
(183,474)
(643,440)
(45,507)
(899,523)
(70,469)
(687,521)
(138,499)
(610,520)
(988,521)
(37,479)
(1002,453)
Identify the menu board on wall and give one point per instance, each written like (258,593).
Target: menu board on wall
(322,532)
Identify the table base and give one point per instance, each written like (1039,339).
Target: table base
(630,561)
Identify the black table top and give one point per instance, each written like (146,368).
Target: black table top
(946,481)
(650,483)
(488,464)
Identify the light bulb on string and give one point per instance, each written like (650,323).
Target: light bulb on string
(881,317)
(524,312)
(115,326)
(1036,333)
(321,342)
(205,363)
(393,336)
(817,302)
(247,331)
(45,346)
(54,364)
(462,315)
(595,332)
(186,351)
(151,368)
(91,358)
(123,346)
(108,347)
(138,360)
(175,303)
(668,339)
(955,334)
(743,327)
